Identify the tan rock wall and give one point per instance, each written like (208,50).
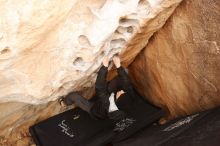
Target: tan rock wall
(52,47)
(16,118)
(179,69)
(49,48)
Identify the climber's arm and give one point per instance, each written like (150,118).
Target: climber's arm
(126,84)
(101,83)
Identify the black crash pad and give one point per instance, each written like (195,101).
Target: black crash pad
(76,128)
(200,129)
(70,128)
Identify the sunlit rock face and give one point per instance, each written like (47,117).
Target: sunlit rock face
(49,48)
(179,69)
(16,118)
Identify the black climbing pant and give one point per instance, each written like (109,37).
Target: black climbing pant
(86,105)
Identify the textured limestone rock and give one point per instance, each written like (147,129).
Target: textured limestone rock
(16,118)
(49,48)
(179,69)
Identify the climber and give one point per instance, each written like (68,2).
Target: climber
(123,112)
(107,93)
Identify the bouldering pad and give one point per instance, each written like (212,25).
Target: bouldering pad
(201,129)
(77,128)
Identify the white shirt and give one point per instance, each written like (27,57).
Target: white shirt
(112,107)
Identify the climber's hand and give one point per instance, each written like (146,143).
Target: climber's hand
(105,61)
(117,61)
(119,93)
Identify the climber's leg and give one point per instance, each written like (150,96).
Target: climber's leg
(78,100)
